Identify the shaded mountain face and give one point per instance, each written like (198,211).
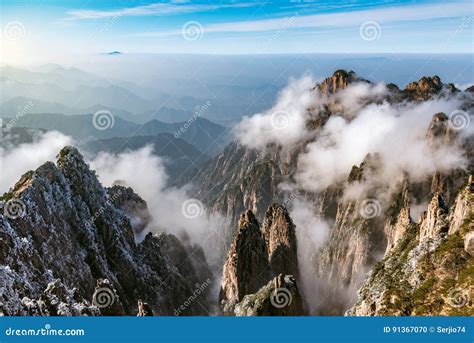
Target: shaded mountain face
(261,267)
(68,248)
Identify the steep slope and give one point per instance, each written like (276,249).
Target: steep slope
(431,270)
(260,263)
(68,248)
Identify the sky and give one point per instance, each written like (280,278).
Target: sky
(50,30)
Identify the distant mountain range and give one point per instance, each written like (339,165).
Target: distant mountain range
(206,136)
(178,155)
(54,89)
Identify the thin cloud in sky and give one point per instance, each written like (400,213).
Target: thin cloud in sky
(341,19)
(156,9)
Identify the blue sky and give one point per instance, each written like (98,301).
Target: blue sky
(52,29)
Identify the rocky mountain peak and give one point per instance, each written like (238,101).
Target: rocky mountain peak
(439,132)
(424,88)
(279,233)
(81,178)
(339,80)
(246,267)
(257,255)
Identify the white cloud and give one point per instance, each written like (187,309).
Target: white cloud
(171,208)
(156,9)
(340,19)
(284,123)
(17,161)
(395,132)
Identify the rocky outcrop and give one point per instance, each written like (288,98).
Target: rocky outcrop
(424,88)
(63,240)
(105,297)
(279,234)
(246,267)
(132,204)
(144,309)
(280,297)
(434,221)
(439,132)
(462,207)
(396,232)
(257,255)
(339,80)
(430,271)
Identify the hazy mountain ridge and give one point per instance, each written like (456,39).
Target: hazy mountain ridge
(206,136)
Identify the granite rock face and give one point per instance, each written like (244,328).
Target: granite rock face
(280,236)
(246,267)
(338,81)
(424,88)
(430,271)
(257,255)
(280,297)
